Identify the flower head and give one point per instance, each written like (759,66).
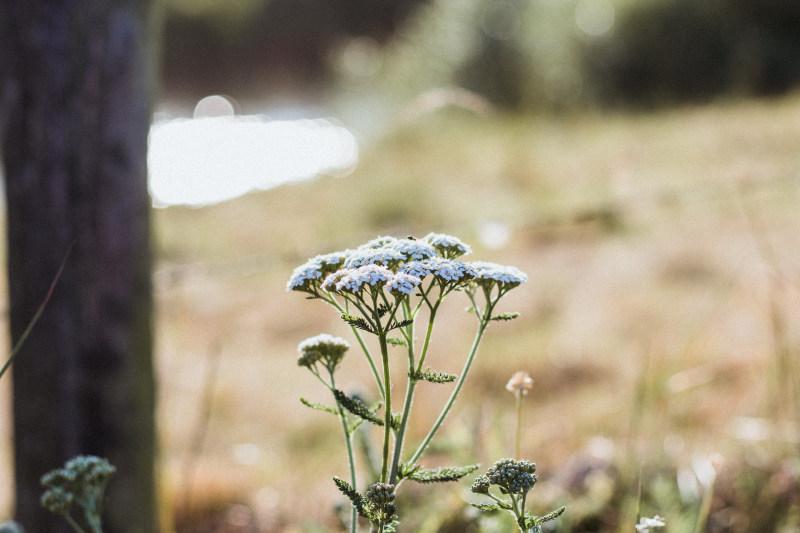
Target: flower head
(305,276)
(413,249)
(402,283)
(445,270)
(323,347)
(385,255)
(514,476)
(520,382)
(492,273)
(353,280)
(448,246)
(646,524)
(378,242)
(480,485)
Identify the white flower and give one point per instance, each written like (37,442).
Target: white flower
(492,272)
(413,249)
(373,256)
(443,269)
(447,245)
(354,279)
(403,283)
(323,341)
(378,242)
(646,524)
(304,275)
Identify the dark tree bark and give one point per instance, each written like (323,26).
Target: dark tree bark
(76,81)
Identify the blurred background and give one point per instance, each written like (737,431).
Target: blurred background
(638,159)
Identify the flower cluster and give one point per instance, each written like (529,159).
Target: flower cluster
(511,475)
(323,348)
(81,481)
(492,273)
(400,266)
(646,524)
(381,503)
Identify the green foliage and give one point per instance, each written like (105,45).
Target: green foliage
(440,474)
(358,501)
(433,377)
(318,406)
(357,407)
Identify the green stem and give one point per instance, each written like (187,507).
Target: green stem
(459,383)
(71,521)
(412,383)
(363,344)
(517,436)
(348,442)
(387,423)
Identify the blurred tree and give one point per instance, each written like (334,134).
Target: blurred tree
(76,80)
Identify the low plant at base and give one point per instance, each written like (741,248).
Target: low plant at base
(82,483)
(380,290)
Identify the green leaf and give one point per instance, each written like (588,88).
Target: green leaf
(539,520)
(357,322)
(357,407)
(319,406)
(505,316)
(489,507)
(396,341)
(355,498)
(441,474)
(401,324)
(433,377)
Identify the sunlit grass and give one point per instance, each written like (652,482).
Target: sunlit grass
(645,323)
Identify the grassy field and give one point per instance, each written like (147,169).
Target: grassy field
(660,321)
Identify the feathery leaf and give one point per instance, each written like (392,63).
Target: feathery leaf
(357,407)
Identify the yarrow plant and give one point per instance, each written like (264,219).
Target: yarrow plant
(81,482)
(514,479)
(380,290)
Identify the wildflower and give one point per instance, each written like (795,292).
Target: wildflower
(481,485)
(448,246)
(403,283)
(412,249)
(323,347)
(443,269)
(304,277)
(646,524)
(492,273)
(516,477)
(520,382)
(379,242)
(354,279)
(380,493)
(374,256)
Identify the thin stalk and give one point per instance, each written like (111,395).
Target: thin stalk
(75,525)
(518,432)
(387,423)
(351,459)
(412,384)
(459,383)
(37,315)
(364,348)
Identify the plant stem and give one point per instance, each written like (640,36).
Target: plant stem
(348,442)
(412,383)
(387,423)
(518,434)
(484,321)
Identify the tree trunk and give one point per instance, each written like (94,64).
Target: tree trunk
(76,81)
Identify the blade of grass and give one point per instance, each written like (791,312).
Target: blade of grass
(37,315)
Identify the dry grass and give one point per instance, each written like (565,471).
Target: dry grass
(646,322)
